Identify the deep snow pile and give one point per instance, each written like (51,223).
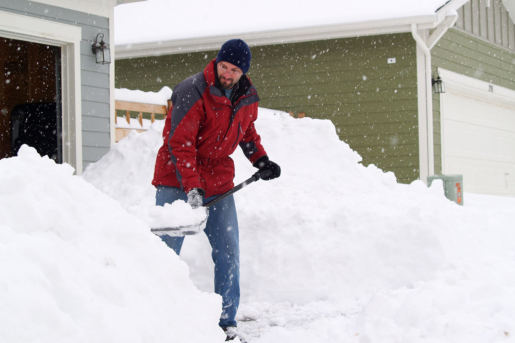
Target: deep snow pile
(399,262)
(76,267)
(312,234)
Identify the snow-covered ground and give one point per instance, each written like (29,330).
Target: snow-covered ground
(330,252)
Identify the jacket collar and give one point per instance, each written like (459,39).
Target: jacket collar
(210,74)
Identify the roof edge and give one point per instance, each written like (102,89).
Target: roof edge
(451,5)
(367,28)
(121,2)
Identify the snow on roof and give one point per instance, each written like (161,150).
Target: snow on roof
(166,20)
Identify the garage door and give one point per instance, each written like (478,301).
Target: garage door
(478,134)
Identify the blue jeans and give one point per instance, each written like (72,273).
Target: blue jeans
(222,232)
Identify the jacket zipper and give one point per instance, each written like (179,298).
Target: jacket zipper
(238,136)
(232,118)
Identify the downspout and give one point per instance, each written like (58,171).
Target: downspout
(427,167)
(440,30)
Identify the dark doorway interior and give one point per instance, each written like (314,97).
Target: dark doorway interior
(30,98)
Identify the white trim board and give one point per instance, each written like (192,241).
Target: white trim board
(102,8)
(112,109)
(28,28)
(96,7)
(67,37)
(474,87)
(423,141)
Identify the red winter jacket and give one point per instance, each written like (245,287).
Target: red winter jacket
(203,129)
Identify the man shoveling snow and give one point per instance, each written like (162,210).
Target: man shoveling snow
(213,112)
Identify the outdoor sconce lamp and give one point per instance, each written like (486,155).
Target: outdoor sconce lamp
(101,50)
(438,85)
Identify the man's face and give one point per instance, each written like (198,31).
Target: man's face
(228,74)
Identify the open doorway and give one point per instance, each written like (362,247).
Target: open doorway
(30,98)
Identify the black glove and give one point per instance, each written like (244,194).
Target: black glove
(196,197)
(264,164)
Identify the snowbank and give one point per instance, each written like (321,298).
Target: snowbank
(76,267)
(389,262)
(312,234)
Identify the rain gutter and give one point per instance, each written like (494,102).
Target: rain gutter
(121,2)
(283,36)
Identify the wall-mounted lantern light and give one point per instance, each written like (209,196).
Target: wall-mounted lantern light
(101,50)
(438,85)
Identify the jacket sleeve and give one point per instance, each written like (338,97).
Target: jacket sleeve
(251,142)
(187,115)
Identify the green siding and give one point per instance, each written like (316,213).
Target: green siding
(153,73)
(472,56)
(437,137)
(489,20)
(373,104)
(462,53)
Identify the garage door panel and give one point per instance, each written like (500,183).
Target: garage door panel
(495,178)
(484,113)
(478,141)
(474,141)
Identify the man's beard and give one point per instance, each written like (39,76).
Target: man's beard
(226,83)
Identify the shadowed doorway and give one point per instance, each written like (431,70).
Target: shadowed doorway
(30,98)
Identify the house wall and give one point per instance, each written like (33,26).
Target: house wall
(372,103)
(94,77)
(489,20)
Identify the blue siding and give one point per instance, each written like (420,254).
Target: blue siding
(94,77)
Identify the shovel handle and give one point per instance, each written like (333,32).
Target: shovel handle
(258,175)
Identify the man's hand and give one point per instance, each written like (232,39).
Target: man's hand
(196,197)
(264,164)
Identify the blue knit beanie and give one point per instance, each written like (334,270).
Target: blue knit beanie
(237,52)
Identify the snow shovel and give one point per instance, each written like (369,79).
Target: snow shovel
(196,228)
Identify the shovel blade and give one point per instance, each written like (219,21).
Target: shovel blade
(180,231)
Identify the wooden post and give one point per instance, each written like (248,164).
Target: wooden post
(152,117)
(115,116)
(301,115)
(170,105)
(140,108)
(291,114)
